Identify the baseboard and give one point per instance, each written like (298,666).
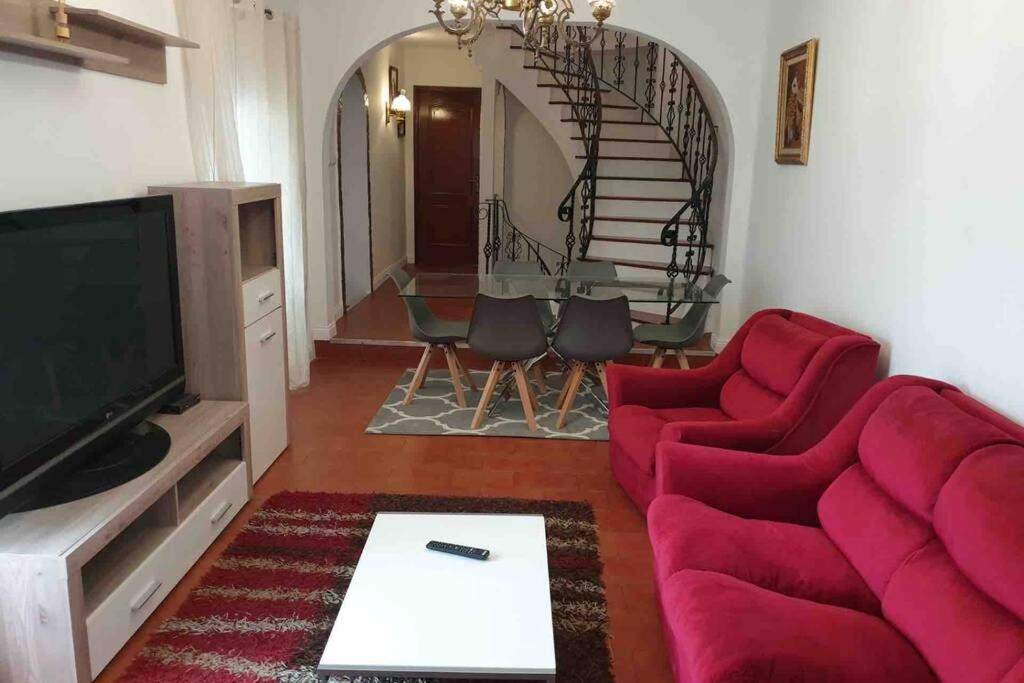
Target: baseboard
(325,333)
(383,275)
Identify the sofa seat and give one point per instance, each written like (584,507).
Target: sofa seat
(791,559)
(727,631)
(636,429)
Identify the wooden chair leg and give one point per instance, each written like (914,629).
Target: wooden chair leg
(420,375)
(659,357)
(526,396)
(565,384)
(467,374)
(453,369)
(497,370)
(570,397)
(538,374)
(681,357)
(604,379)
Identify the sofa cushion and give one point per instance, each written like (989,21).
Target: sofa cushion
(962,633)
(853,510)
(744,399)
(777,351)
(980,519)
(726,630)
(794,560)
(636,430)
(915,440)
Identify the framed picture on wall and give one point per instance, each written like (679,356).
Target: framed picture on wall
(392,83)
(796,103)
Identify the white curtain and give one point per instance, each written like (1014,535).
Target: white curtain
(245,121)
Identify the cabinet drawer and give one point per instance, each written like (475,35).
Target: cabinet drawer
(113,622)
(267,391)
(261,295)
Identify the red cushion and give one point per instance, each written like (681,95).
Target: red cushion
(777,352)
(635,430)
(980,519)
(852,512)
(914,442)
(963,634)
(795,560)
(744,399)
(724,630)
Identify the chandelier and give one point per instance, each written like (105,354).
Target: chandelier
(543,20)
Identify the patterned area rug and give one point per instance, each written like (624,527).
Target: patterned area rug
(264,611)
(435,412)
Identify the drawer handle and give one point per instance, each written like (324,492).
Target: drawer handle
(142,598)
(267,337)
(221,511)
(265,297)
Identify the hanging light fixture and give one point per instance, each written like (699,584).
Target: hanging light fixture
(542,20)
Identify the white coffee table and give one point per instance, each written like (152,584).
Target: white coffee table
(414,612)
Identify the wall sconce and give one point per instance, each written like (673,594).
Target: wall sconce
(397,109)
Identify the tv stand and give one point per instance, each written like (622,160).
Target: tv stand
(78,579)
(134,454)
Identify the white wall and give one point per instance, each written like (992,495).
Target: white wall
(907,222)
(536,176)
(724,39)
(428,65)
(354,166)
(71,135)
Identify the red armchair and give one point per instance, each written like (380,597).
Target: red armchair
(914,573)
(783,381)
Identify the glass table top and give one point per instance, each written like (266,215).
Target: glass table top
(658,289)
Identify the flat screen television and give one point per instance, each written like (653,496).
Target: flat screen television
(90,346)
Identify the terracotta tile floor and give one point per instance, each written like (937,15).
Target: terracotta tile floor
(330,452)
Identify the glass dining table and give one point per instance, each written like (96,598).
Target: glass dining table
(647,290)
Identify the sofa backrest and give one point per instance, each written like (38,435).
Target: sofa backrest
(774,356)
(932,517)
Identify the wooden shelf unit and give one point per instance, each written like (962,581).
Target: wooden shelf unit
(231,274)
(77,580)
(100,41)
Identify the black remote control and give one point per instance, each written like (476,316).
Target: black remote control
(460,550)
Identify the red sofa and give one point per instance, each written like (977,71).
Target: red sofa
(916,572)
(783,381)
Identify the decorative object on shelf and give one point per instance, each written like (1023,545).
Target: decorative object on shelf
(60,18)
(398,103)
(102,41)
(543,21)
(796,102)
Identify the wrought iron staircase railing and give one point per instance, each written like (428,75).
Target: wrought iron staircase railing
(665,94)
(506,242)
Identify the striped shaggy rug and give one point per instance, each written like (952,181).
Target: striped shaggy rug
(263,613)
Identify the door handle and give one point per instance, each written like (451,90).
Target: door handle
(142,598)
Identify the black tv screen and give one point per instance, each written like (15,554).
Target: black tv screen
(90,332)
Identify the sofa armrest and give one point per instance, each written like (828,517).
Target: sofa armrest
(757,435)
(782,488)
(660,388)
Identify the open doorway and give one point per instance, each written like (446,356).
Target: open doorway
(354,192)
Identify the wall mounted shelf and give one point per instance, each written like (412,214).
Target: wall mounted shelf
(100,41)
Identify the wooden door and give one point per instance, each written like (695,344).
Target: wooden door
(447,160)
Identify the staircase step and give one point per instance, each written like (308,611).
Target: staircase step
(635,240)
(571,87)
(639,199)
(620,219)
(659,188)
(611,157)
(644,179)
(612,122)
(628,107)
(635,140)
(646,265)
